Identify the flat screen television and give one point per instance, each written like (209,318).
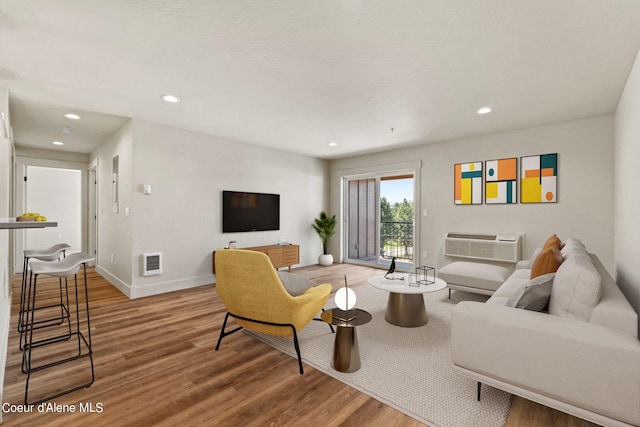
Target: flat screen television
(242,211)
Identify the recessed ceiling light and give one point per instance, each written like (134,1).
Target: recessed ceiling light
(72,116)
(58,143)
(170,98)
(484,110)
(333,144)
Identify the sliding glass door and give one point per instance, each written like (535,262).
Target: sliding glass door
(362,230)
(380,215)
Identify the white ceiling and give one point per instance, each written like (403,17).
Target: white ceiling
(295,75)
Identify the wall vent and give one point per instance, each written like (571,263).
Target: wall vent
(489,247)
(151,264)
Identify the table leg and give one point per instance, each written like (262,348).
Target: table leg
(346,356)
(406,310)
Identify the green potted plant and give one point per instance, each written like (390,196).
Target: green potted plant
(325,227)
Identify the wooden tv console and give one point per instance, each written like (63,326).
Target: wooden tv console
(280,255)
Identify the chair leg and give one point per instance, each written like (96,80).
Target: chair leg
(479,390)
(89,345)
(222,331)
(224,324)
(21,322)
(297,346)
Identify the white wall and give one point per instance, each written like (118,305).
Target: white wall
(182,216)
(627,195)
(114,229)
(585,187)
(5,281)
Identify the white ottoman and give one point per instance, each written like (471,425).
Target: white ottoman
(474,277)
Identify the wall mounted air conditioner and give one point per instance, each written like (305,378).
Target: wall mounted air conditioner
(489,247)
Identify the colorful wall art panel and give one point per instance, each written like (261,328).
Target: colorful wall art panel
(467,187)
(539,178)
(500,179)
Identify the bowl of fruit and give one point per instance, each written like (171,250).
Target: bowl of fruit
(32,216)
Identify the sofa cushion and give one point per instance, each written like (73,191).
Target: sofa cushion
(474,274)
(572,247)
(532,294)
(295,284)
(576,288)
(509,287)
(546,262)
(574,241)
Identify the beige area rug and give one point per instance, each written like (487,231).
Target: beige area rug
(406,368)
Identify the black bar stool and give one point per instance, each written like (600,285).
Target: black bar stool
(81,345)
(51,254)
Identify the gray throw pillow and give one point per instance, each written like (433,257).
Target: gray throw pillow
(533,294)
(295,284)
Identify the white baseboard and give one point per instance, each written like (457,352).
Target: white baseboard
(140,291)
(119,284)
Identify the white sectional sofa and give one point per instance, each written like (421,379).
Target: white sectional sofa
(581,356)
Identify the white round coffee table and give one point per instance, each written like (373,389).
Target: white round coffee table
(405,306)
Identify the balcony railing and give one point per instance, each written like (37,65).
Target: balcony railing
(396,240)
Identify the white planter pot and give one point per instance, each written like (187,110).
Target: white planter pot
(325,259)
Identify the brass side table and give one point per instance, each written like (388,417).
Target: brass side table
(346,356)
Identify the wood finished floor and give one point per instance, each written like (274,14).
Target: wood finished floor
(155,364)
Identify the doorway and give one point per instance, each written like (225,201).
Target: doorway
(380,217)
(57,193)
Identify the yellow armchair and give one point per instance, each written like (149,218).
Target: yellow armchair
(254,296)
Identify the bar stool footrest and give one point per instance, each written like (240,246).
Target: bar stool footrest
(68,359)
(22,327)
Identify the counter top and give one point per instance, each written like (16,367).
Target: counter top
(11,223)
